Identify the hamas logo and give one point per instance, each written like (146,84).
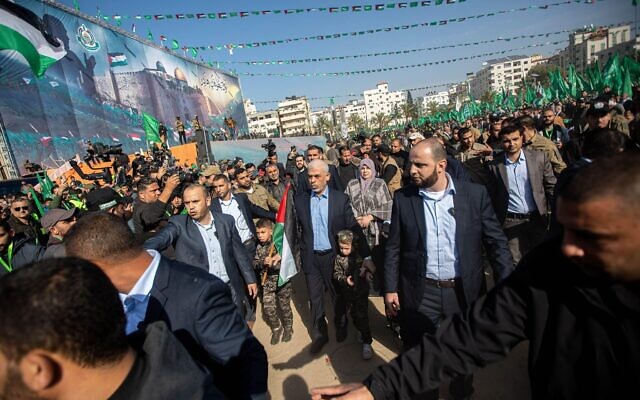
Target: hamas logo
(86,39)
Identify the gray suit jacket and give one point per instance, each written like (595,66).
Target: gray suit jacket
(541,176)
(183,234)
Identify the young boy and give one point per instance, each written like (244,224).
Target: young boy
(351,278)
(276,301)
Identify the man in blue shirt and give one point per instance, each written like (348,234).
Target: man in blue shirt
(522,190)
(323,212)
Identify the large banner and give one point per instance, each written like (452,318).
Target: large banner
(99,90)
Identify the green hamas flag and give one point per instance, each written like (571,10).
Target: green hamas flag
(627,87)
(150,125)
(21,31)
(175,45)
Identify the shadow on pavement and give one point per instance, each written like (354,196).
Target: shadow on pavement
(294,387)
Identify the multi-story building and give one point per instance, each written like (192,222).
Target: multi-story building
(588,45)
(381,100)
(249,107)
(507,73)
(440,98)
(294,114)
(265,123)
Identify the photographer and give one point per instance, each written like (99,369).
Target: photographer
(151,204)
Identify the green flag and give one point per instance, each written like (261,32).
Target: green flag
(626,84)
(37,202)
(572,79)
(634,2)
(151,125)
(149,35)
(632,66)
(613,74)
(174,45)
(46,185)
(194,52)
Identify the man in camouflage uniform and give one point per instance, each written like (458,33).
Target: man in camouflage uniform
(257,194)
(276,301)
(351,279)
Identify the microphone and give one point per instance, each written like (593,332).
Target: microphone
(452,211)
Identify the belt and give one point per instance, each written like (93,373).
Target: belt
(322,252)
(520,216)
(447,284)
(249,241)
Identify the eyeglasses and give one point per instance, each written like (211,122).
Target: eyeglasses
(26,208)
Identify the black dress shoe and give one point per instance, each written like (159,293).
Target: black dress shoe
(318,344)
(287,334)
(341,334)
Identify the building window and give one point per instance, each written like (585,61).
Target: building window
(593,48)
(623,36)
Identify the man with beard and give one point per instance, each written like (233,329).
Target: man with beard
(275,185)
(433,265)
(575,299)
(62,336)
(347,170)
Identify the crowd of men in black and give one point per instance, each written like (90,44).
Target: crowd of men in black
(143,284)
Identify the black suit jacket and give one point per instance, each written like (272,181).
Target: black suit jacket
(340,217)
(199,310)
(334,182)
(183,234)
(248,209)
(476,224)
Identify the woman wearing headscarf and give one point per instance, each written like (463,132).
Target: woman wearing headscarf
(371,203)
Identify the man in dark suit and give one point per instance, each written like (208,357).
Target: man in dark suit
(323,212)
(209,240)
(196,305)
(316,153)
(522,190)
(242,210)
(433,266)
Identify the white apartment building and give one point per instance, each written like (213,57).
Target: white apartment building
(355,107)
(440,98)
(264,123)
(294,113)
(587,45)
(249,107)
(381,100)
(507,73)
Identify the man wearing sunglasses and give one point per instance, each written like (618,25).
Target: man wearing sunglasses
(16,250)
(57,222)
(22,222)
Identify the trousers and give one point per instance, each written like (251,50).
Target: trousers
(319,279)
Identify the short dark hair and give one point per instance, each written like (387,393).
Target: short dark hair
(264,223)
(509,130)
(64,305)
(383,149)
(617,176)
(462,131)
(343,148)
(144,183)
(603,143)
(223,177)
(314,147)
(101,236)
(525,122)
(249,165)
(4,223)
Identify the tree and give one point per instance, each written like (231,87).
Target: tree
(487,97)
(323,125)
(380,121)
(408,111)
(432,107)
(419,103)
(395,114)
(539,74)
(355,123)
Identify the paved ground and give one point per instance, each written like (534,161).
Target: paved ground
(292,371)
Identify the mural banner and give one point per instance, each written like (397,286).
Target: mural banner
(100,88)
(252,151)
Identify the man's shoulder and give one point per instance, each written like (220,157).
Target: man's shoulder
(535,155)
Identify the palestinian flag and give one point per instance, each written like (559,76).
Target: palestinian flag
(134,136)
(117,59)
(284,236)
(23,31)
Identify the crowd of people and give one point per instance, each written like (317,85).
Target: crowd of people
(147,285)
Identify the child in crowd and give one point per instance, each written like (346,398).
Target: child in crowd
(352,281)
(276,301)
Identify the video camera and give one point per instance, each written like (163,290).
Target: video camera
(269,146)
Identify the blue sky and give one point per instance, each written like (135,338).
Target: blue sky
(273,27)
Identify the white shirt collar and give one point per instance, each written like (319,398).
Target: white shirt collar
(209,225)
(145,282)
